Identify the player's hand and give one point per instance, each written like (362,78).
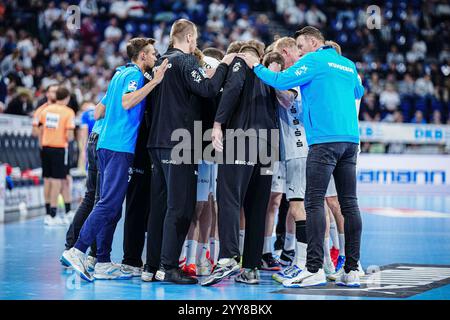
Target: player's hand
(275,67)
(160,71)
(250,60)
(217,137)
(229,58)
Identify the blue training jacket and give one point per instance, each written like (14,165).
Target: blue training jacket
(329,85)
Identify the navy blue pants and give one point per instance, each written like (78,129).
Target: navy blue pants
(101,223)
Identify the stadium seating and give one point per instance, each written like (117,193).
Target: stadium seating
(20,151)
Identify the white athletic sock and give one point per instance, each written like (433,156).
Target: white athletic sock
(183,251)
(334,234)
(289,242)
(241,241)
(267,245)
(341,244)
(326,251)
(300,255)
(202,248)
(214,249)
(191,252)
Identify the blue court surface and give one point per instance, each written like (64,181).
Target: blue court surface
(405,247)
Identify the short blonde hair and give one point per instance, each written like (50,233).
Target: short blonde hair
(181,28)
(285,42)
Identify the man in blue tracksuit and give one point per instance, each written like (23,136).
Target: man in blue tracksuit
(122,110)
(329,86)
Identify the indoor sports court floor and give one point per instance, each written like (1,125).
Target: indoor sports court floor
(406,243)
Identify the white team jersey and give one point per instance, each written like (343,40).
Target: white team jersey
(292,132)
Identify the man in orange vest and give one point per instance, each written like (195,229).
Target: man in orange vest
(58,124)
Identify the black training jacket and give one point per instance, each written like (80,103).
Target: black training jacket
(246,103)
(173,102)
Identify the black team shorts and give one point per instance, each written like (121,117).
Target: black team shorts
(54,163)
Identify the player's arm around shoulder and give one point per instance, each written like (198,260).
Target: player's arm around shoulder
(131,95)
(302,72)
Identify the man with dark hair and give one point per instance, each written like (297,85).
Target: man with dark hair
(310,32)
(247,106)
(329,85)
(258,45)
(122,109)
(213,53)
(273,57)
(174,181)
(58,123)
(50,94)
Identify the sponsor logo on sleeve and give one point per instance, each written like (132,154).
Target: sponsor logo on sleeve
(132,86)
(196,76)
(301,70)
(237,66)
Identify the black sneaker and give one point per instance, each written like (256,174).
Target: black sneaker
(225,268)
(279,242)
(287,257)
(148,274)
(248,276)
(269,263)
(175,275)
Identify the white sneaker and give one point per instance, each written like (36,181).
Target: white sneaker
(49,221)
(70,215)
(110,271)
(350,279)
(306,279)
(68,218)
(335,275)
(338,274)
(147,274)
(63,262)
(135,271)
(329,268)
(361,272)
(90,263)
(75,259)
(204,268)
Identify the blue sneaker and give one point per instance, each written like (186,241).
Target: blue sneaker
(286,273)
(340,263)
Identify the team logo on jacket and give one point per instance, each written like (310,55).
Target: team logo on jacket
(132,86)
(196,76)
(301,70)
(237,66)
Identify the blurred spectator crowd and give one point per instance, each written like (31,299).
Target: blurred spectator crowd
(404,64)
